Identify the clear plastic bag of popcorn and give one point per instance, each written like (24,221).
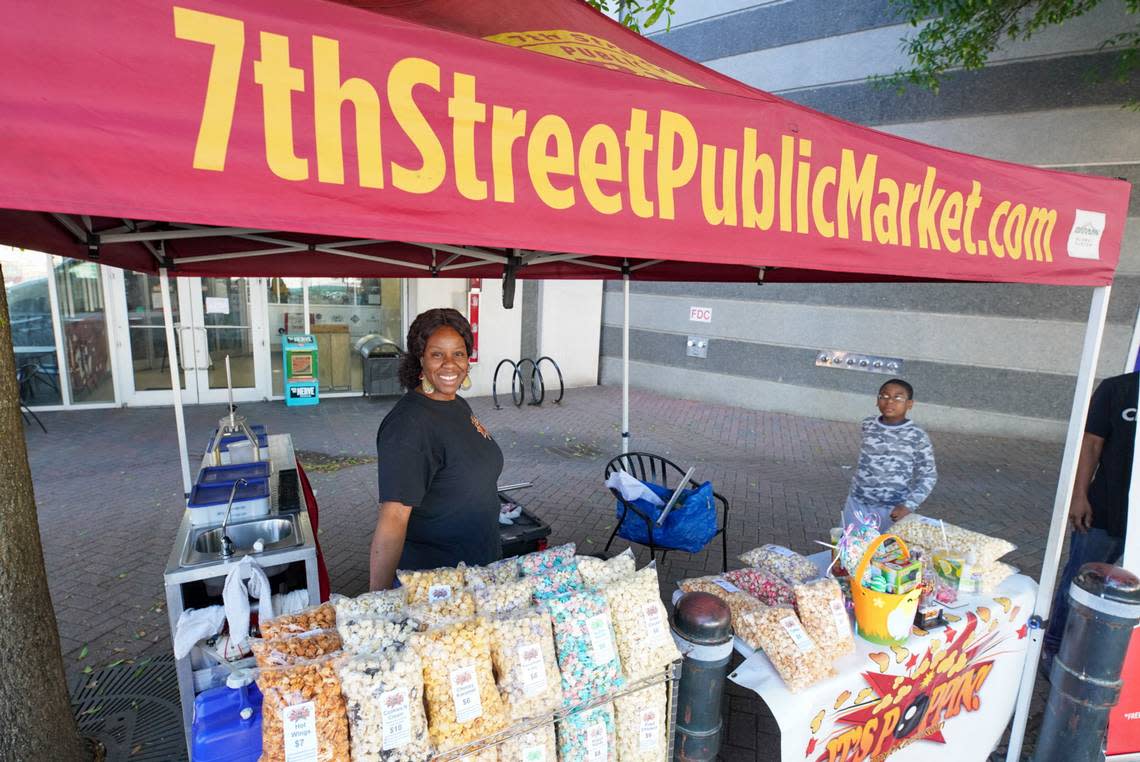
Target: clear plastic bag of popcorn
(784,563)
(384,700)
(823,614)
(745,621)
(497,573)
(597,572)
(303,702)
(558,581)
(522,649)
(290,649)
(486,754)
(369,604)
(584,642)
(543,561)
(431,585)
(923,530)
(641,725)
(762,585)
(494,600)
(463,703)
(538,745)
(713,585)
(588,736)
(641,624)
(375,632)
(993,575)
(455,609)
(320,617)
(796,657)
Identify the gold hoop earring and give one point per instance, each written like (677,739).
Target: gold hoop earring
(466,383)
(427,386)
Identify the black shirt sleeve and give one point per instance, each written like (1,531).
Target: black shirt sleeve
(405,462)
(1100,417)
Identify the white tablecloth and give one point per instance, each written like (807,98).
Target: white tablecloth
(947,695)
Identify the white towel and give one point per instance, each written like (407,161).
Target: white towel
(235,596)
(194,625)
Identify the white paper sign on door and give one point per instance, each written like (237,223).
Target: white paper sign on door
(217,305)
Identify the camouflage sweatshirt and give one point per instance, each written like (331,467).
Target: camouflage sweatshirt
(896,465)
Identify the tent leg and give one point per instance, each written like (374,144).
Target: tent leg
(1090,353)
(175,379)
(625,364)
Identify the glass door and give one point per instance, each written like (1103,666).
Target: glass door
(213,317)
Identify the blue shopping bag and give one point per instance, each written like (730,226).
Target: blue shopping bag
(689,526)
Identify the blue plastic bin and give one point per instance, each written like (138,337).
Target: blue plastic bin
(231,473)
(219,732)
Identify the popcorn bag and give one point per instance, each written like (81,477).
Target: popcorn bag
(588,736)
(824,616)
(543,561)
(782,562)
(763,585)
(376,632)
(597,572)
(538,745)
(497,599)
(303,706)
(713,585)
(746,612)
(384,699)
(558,581)
(431,585)
(321,617)
(584,641)
(376,602)
(522,651)
(799,661)
(290,649)
(449,611)
(497,573)
(927,532)
(463,703)
(641,721)
(641,624)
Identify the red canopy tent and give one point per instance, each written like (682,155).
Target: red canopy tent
(476,139)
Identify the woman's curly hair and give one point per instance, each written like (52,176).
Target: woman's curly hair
(425,324)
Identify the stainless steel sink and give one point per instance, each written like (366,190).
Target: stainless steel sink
(204,546)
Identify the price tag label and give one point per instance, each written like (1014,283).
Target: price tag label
(395,718)
(300,727)
(650,735)
(725,585)
(534,754)
(656,632)
(601,639)
(531,670)
(795,630)
(465,694)
(781,550)
(437,593)
(842,623)
(597,742)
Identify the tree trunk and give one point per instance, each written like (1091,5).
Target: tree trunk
(35,710)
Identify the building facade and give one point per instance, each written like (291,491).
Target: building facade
(984,358)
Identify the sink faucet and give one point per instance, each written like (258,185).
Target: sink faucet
(227,543)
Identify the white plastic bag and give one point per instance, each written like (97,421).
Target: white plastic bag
(632,489)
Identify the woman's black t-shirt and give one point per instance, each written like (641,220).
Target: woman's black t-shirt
(438,458)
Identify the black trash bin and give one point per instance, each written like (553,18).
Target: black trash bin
(380,361)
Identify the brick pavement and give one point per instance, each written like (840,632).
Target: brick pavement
(109,497)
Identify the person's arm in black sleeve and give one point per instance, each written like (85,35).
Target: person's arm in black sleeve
(405,468)
(1097,427)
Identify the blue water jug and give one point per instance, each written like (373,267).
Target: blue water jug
(227,722)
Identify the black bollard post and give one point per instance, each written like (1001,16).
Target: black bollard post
(702,628)
(1104,607)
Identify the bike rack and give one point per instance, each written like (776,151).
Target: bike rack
(537,384)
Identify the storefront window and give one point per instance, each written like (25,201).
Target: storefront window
(33,333)
(82,315)
(147,329)
(343,310)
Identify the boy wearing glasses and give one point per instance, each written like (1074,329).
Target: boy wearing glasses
(896,471)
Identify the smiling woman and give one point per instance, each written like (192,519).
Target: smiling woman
(438,466)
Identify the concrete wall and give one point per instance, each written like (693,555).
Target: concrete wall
(570,329)
(984,358)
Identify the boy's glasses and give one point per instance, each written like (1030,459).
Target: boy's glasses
(896,398)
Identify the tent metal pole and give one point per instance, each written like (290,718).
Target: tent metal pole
(305,301)
(175,379)
(625,361)
(1090,353)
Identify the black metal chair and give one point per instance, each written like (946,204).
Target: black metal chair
(648,467)
(26,376)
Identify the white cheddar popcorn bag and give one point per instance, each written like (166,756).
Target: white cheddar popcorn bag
(369,604)
(522,650)
(495,600)
(641,724)
(375,632)
(917,529)
(384,696)
(597,572)
(463,703)
(641,624)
